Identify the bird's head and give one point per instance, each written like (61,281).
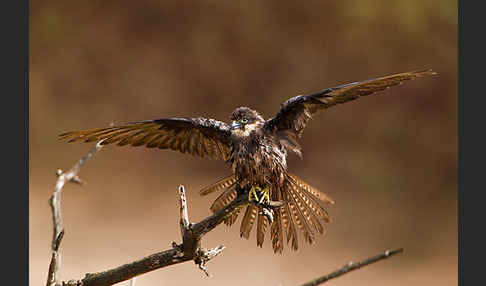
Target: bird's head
(244,121)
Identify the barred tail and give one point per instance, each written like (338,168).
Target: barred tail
(302,210)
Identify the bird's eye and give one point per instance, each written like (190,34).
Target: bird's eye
(244,120)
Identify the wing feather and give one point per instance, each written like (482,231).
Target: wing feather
(197,136)
(296,112)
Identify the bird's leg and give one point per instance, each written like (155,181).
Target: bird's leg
(253,193)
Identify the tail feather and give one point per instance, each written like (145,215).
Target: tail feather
(221,184)
(276,227)
(310,189)
(248,220)
(291,230)
(314,210)
(262,224)
(310,211)
(313,201)
(277,233)
(302,210)
(315,205)
(222,200)
(233,216)
(298,215)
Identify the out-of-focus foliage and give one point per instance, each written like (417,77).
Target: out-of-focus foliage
(389,160)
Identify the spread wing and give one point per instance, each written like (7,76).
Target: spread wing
(196,136)
(296,112)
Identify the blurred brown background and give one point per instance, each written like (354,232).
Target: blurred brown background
(389,160)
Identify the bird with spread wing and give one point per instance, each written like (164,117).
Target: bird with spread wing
(257,150)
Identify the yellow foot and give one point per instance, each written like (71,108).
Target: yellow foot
(253,193)
(261,196)
(265,198)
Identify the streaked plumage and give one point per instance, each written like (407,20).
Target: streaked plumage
(257,150)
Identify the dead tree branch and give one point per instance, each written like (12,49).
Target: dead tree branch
(55,203)
(189,249)
(352,266)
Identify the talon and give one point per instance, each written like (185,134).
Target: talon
(268,213)
(265,198)
(253,193)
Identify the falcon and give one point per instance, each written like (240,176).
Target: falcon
(257,151)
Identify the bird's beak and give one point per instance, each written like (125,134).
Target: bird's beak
(235,125)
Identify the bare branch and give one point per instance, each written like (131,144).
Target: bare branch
(55,203)
(352,266)
(184,222)
(190,249)
(205,256)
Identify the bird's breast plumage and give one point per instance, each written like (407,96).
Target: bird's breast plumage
(258,160)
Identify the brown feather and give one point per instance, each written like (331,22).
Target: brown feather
(142,140)
(262,224)
(307,210)
(315,207)
(222,183)
(113,136)
(313,191)
(129,137)
(168,140)
(296,112)
(311,196)
(291,230)
(231,218)
(277,233)
(248,220)
(299,216)
(192,143)
(95,136)
(164,142)
(199,147)
(276,228)
(154,142)
(224,199)
(196,136)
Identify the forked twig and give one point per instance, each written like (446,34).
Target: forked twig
(189,249)
(55,203)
